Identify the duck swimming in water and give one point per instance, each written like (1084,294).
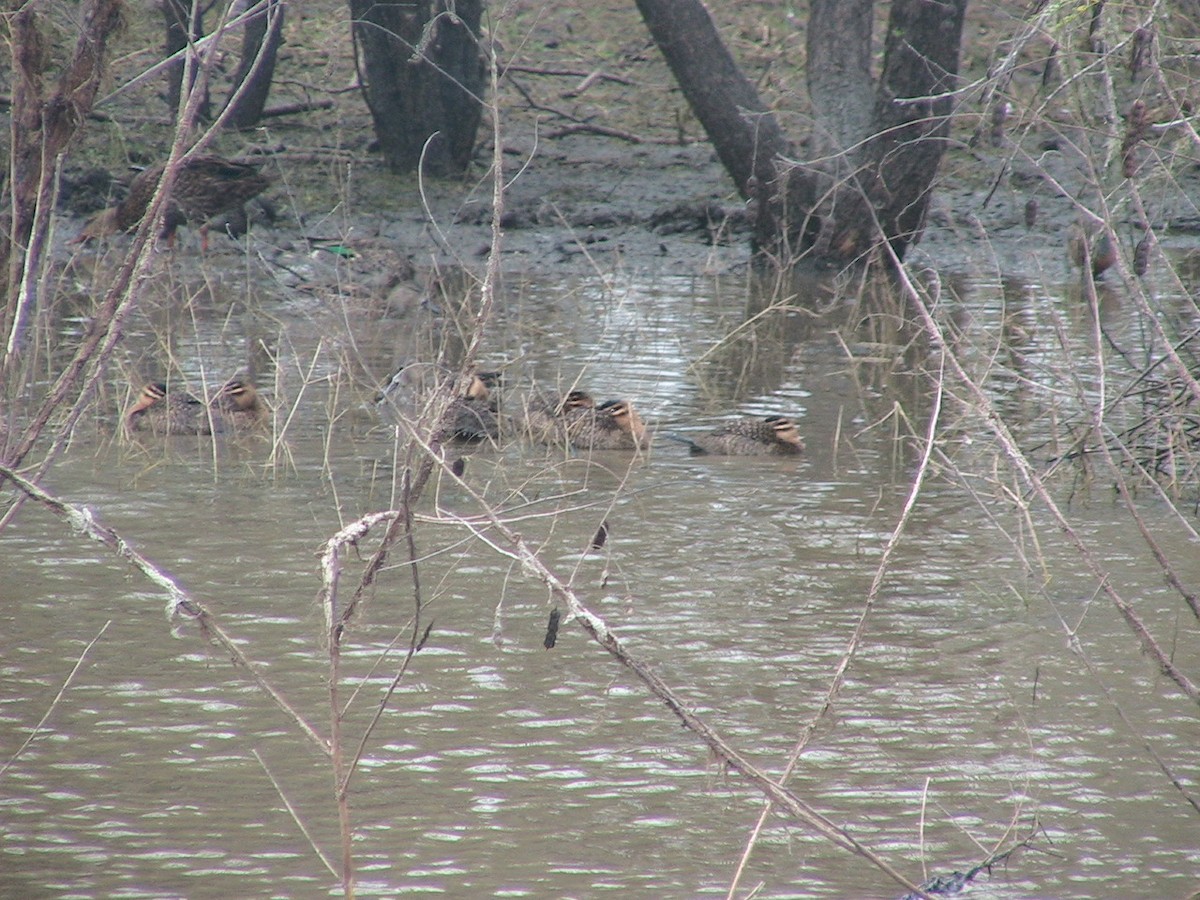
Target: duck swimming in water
(473,416)
(613,425)
(548,419)
(174,412)
(239,404)
(770,436)
(236,404)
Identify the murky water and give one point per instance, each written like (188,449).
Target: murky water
(503,769)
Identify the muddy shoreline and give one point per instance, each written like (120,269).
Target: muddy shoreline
(593,204)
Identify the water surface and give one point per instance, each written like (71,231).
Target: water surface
(501,768)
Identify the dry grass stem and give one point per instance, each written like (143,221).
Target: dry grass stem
(287,804)
(1034,482)
(179,601)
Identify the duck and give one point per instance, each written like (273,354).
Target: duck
(613,425)
(414,382)
(205,186)
(748,436)
(169,412)
(548,419)
(236,404)
(239,404)
(472,416)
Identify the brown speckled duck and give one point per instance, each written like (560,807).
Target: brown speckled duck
(239,404)
(175,412)
(771,436)
(235,404)
(548,419)
(473,417)
(470,417)
(204,187)
(614,425)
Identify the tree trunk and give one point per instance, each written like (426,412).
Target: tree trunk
(880,189)
(262,33)
(912,114)
(423,79)
(838,70)
(184,22)
(874,150)
(43,124)
(745,134)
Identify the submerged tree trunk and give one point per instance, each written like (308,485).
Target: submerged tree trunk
(423,79)
(261,36)
(875,148)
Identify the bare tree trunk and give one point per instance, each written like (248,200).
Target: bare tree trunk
(184,21)
(883,193)
(43,125)
(423,79)
(912,113)
(838,70)
(746,135)
(874,150)
(261,36)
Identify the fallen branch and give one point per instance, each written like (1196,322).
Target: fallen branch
(295,816)
(839,674)
(588,77)
(516,548)
(956,882)
(179,601)
(604,130)
(290,109)
(578,125)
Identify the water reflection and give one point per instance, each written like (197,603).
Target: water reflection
(501,767)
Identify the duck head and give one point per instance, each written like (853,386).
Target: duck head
(152,393)
(786,432)
(241,396)
(576,400)
(625,417)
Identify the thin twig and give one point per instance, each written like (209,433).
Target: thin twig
(57,697)
(296,818)
(839,674)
